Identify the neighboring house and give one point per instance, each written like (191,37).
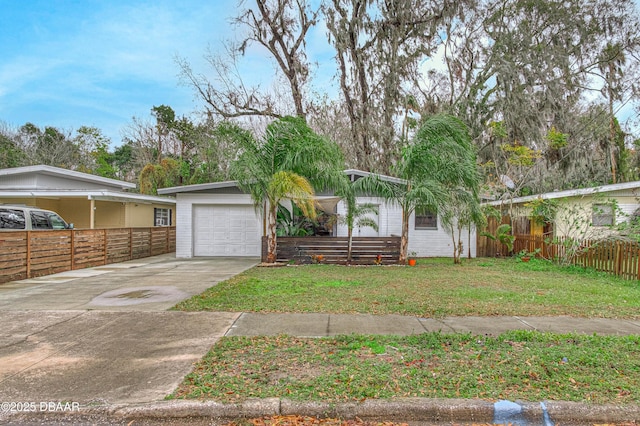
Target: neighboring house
(587,211)
(86,200)
(218,219)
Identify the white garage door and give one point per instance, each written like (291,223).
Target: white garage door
(225,231)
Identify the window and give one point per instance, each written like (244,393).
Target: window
(426,219)
(56,221)
(39,220)
(162,217)
(602,215)
(12,219)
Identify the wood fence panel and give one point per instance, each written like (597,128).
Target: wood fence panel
(89,248)
(158,241)
(13,255)
(365,250)
(118,245)
(487,247)
(140,243)
(49,253)
(621,258)
(27,254)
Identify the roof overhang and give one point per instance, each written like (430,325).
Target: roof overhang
(66,174)
(361,173)
(116,196)
(234,183)
(569,193)
(198,187)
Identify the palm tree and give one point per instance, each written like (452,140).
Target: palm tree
(461,210)
(356,214)
(444,153)
(287,163)
(440,158)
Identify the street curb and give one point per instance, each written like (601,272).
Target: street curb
(396,410)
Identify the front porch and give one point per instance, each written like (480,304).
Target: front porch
(333,250)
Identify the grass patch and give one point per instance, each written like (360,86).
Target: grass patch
(435,288)
(518,365)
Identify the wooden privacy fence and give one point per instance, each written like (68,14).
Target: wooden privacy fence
(28,254)
(616,257)
(364,250)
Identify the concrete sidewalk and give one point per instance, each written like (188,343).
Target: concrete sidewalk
(325,325)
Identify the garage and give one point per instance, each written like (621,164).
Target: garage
(225,230)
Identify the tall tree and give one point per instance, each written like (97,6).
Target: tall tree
(11,155)
(531,66)
(48,146)
(216,147)
(438,165)
(379,46)
(288,163)
(281,28)
(92,151)
(612,61)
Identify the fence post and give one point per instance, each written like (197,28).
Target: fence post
(28,254)
(618,259)
(104,250)
(73,249)
(130,243)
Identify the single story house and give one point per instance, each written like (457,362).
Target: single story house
(590,212)
(218,219)
(86,200)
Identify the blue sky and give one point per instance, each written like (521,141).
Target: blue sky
(96,63)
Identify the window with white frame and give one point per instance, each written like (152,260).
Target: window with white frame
(162,217)
(602,215)
(426,219)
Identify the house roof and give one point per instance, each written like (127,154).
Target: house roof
(103,195)
(352,173)
(66,174)
(571,193)
(198,187)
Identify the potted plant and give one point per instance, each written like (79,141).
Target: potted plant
(526,256)
(412,258)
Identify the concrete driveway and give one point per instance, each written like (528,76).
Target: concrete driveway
(104,335)
(151,284)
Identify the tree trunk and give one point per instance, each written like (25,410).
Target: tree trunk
(271,233)
(349,244)
(455,249)
(404,239)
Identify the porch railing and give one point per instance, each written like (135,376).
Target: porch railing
(364,251)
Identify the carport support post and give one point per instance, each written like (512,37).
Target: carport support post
(92,213)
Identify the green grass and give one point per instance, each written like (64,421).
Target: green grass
(435,288)
(518,365)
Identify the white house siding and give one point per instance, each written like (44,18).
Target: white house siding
(425,242)
(437,242)
(389,218)
(184,216)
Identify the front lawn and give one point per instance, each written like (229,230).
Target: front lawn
(435,288)
(517,365)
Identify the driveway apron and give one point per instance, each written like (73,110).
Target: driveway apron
(103,335)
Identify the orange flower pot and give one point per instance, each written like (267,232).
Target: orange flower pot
(412,262)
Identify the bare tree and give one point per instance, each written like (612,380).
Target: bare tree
(280,27)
